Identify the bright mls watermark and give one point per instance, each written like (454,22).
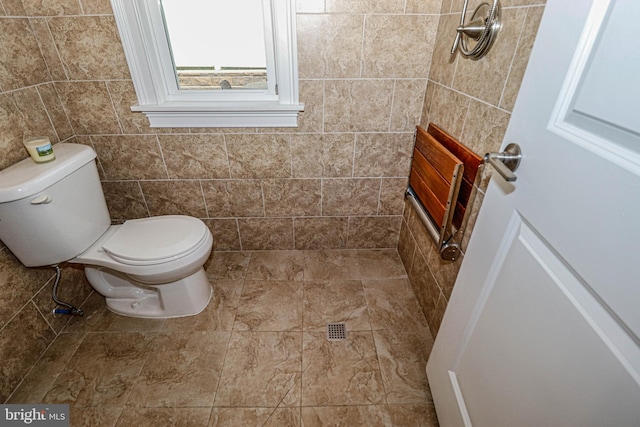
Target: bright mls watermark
(34,415)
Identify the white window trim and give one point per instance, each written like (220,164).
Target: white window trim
(147,52)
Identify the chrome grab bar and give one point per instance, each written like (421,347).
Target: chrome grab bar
(506,162)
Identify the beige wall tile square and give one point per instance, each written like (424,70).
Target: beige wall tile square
(258,234)
(355,196)
(320,233)
(174,198)
(124,200)
(51,7)
(55,111)
(125,157)
(365,6)
(14,7)
(383,154)
(392,193)
(521,58)
(21,63)
(98,57)
(48,48)
(408,98)
(96,7)
(448,109)
(292,197)
(398,45)
(485,78)
(89,107)
(226,236)
(374,232)
(123,95)
(233,198)
(322,155)
(357,105)
(259,155)
(195,156)
(312,95)
(443,64)
(484,128)
(329,45)
(424,6)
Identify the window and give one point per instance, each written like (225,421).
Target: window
(182,67)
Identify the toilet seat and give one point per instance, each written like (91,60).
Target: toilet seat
(155,240)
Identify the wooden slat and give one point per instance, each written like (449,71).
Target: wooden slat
(431,177)
(441,159)
(427,198)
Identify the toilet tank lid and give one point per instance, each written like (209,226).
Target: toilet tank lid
(27,177)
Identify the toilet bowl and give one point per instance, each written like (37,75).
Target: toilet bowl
(55,212)
(151,267)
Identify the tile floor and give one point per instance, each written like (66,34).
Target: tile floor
(258,355)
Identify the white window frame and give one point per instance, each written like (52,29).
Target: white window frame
(148,54)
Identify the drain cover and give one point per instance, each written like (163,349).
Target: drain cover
(336,331)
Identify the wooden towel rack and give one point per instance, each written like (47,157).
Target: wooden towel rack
(443,174)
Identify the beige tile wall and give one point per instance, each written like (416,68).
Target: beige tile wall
(337,181)
(472,100)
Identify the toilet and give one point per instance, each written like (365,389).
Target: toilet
(56,212)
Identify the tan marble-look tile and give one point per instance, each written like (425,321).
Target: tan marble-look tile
(350,196)
(104,371)
(18,284)
(353,264)
(339,301)
(36,384)
(259,155)
(424,6)
(438,314)
(123,95)
(175,417)
(99,57)
(257,234)
(426,108)
(124,200)
(484,127)
(383,154)
(219,315)
(265,417)
(182,197)
(374,232)
(22,341)
(393,305)
(262,369)
(329,46)
(416,415)
(320,233)
(50,8)
(21,63)
(379,264)
(495,66)
(233,198)
(48,48)
(56,112)
(228,265)
(443,64)
(270,306)
(336,372)
(91,417)
(357,105)
(197,156)
(126,157)
(406,247)
(392,43)
(408,98)
(292,197)
(322,155)
(424,285)
(14,7)
(276,265)
(367,415)
(521,58)
(312,95)
(392,193)
(444,272)
(89,107)
(364,6)
(448,109)
(183,370)
(226,236)
(96,7)
(403,357)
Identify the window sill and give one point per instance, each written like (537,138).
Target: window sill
(230,114)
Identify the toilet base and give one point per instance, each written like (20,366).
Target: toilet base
(184,297)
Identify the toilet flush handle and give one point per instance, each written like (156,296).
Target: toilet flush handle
(42,200)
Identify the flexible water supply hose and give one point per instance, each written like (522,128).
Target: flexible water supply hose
(70,309)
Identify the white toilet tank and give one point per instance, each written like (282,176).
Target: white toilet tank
(52,212)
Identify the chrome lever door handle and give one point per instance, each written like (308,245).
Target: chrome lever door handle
(506,162)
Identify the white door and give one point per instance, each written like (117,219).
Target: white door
(543,325)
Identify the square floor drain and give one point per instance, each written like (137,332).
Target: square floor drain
(336,331)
